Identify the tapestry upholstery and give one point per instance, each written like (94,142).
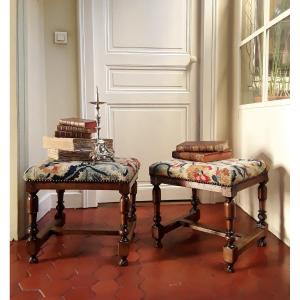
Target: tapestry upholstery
(222,172)
(121,170)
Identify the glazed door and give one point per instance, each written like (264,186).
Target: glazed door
(143,57)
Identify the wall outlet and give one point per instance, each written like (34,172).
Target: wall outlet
(60,37)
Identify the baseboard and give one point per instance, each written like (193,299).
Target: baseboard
(145,193)
(272,229)
(72,199)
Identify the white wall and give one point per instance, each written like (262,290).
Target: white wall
(224,69)
(13,121)
(36,81)
(261,131)
(61,62)
(263,134)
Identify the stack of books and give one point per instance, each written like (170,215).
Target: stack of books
(73,140)
(203,151)
(76,128)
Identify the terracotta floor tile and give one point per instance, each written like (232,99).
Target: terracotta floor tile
(105,289)
(107,272)
(86,265)
(64,268)
(35,283)
(129,293)
(32,295)
(79,294)
(83,280)
(133,256)
(58,287)
(40,268)
(189,265)
(130,276)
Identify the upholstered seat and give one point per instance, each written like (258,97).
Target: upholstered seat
(223,172)
(121,170)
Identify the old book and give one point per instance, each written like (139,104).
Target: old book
(68,144)
(73,134)
(203,156)
(79,122)
(64,155)
(75,129)
(202,146)
(72,144)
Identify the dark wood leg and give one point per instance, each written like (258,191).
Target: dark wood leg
(133,192)
(262,215)
(195,202)
(229,250)
(124,241)
(32,243)
(157,228)
(60,215)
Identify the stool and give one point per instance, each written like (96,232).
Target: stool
(119,175)
(227,177)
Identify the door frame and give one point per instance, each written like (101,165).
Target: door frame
(207,85)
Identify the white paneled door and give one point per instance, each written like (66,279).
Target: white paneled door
(143,57)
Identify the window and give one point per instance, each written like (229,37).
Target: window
(265,50)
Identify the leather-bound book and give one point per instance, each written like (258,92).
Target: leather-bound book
(79,122)
(70,128)
(203,156)
(64,155)
(202,146)
(72,144)
(73,134)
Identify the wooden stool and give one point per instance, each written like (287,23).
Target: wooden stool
(227,177)
(120,175)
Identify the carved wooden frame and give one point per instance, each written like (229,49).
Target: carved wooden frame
(127,210)
(235,243)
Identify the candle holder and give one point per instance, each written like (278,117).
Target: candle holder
(100,152)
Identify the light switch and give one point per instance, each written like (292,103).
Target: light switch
(60,37)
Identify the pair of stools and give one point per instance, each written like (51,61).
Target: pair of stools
(227,177)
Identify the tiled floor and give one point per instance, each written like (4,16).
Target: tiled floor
(190,265)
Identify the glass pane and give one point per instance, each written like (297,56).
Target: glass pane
(279,61)
(252,16)
(251,71)
(277,7)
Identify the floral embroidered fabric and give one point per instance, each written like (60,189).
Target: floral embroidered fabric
(121,170)
(222,172)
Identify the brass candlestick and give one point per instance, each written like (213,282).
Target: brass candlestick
(100,152)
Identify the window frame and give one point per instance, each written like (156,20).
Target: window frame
(264,30)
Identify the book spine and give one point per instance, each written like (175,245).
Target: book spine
(74,134)
(201,148)
(75,129)
(88,125)
(202,157)
(68,155)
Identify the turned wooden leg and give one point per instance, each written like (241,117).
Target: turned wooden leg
(195,202)
(229,250)
(157,228)
(133,192)
(124,242)
(32,241)
(262,215)
(60,215)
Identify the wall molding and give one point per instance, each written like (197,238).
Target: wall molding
(208,62)
(22,112)
(208,92)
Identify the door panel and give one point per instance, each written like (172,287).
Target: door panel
(143,54)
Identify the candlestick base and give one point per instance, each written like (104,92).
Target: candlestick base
(101,152)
